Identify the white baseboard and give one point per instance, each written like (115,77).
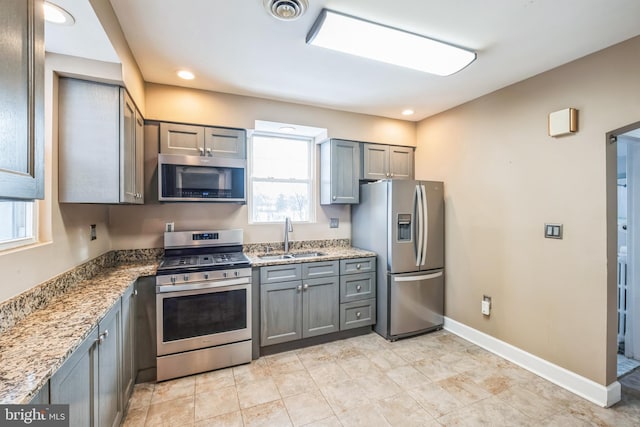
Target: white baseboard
(583,387)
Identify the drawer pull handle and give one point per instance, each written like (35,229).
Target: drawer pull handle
(358,288)
(358,266)
(299,288)
(358,315)
(305,287)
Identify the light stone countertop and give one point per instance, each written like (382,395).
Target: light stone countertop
(330,254)
(34,348)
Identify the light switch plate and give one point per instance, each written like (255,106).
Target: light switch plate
(553,231)
(92,232)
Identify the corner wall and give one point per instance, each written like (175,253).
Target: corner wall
(504,178)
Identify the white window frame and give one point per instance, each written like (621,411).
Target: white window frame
(309,181)
(28,240)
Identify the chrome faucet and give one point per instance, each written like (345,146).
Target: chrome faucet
(288,228)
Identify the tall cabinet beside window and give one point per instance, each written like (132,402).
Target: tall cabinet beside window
(101,139)
(339,172)
(22,99)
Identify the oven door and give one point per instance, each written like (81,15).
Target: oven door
(203,314)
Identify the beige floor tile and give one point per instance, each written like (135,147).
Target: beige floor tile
(314,356)
(327,373)
(218,402)
(342,349)
(531,404)
(284,363)
(256,370)
(177,412)
(436,369)
(372,341)
(272,414)
(295,383)
(378,386)
(257,392)
(386,359)
(407,377)
(403,410)
(489,412)
(365,416)
(434,399)
(307,408)
(214,380)
(232,419)
(141,396)
(410,351)
(332,421)
(344,395)
(464,389)
(174,389)
(136,417)
(357,367)
(620,415)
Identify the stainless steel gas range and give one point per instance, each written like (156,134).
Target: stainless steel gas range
(203,302)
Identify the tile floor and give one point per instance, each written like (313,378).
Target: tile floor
(429,380)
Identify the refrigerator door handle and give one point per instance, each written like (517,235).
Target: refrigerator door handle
(419,243)
(425,221)
(417,278)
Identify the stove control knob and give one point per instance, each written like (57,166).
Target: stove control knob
(224,274)
(235,273)
(173,279)
(186,277)
(206,275)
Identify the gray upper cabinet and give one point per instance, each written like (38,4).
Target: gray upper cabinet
(339,172)
(386,161)
(22,100)
(196,140)
(101,140)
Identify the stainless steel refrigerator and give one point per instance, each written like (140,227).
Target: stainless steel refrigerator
(403,222)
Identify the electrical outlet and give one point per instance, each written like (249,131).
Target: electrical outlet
(169,227)
(486,305)
(92,232)
(334,222)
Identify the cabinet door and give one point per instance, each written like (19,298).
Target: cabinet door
(320,306)
(400,162)
(375,161)
(22,100)
(343,172)
(128,344)
(74,383)
(139,157)
(221,142)
(181,139)
(110,368)
(281,312)
(128,191)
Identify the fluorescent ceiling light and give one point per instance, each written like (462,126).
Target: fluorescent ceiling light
(186,75)
(344,33)
(57,15)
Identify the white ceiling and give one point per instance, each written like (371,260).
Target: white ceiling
(235,47)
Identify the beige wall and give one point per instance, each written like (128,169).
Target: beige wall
(64,229)
(142,226)
(504,178)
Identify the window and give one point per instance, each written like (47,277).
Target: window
(281,178)
(16,224)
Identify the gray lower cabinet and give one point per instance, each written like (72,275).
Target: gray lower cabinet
(90,380)
(128,342)
(42,397)
(357,292)
(339,172)
(303,304)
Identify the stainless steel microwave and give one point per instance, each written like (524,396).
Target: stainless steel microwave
(183,178)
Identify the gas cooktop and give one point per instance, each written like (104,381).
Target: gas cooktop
(204,260)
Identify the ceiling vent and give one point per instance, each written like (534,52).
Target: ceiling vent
(286,10)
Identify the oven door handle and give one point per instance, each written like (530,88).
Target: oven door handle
(202,285)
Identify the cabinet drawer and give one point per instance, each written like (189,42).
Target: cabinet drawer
(280,273)
(357,265)
(355,287)
(358,313)
(312,270)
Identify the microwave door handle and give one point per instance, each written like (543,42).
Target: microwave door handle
(419,245)
(425,220)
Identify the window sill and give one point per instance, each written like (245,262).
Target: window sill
(25,246)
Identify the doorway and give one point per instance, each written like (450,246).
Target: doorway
(628,251)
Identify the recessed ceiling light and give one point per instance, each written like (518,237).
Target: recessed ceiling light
(57,15)
(287,129)
(407,112)
(186,75)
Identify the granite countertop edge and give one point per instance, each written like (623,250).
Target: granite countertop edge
(329,254)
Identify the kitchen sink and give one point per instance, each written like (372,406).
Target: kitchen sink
(298,255)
